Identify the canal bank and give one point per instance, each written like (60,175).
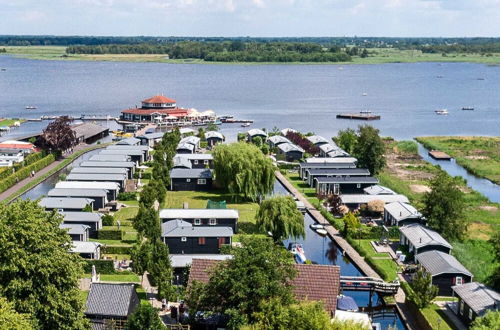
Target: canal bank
(340,252)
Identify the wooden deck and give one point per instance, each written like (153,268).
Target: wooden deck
(359,116)
(439,155)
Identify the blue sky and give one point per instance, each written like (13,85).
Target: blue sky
(398,18)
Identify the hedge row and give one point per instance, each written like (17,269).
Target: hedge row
(335,222)
(114,234)
(101,266)
(25,172)
(117,249)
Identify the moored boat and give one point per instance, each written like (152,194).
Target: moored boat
(245,124)
(467,108)
(316,226)
(441,112)
(30,107)
(298,252)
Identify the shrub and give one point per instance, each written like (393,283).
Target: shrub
(127,196)
(24,172)
(117,249)
(101,266)
(108,220)
(113,234)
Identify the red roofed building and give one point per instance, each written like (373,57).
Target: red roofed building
(26,147)
(156,108)
(313,282)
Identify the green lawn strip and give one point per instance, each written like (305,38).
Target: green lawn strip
(117,256)
(84,295)
(478,256)
(437,318)
(59,167)
(199,199)
(442,298)
(302,187)
(118,277)
(382,263)
(110,242)
(126,213)
(10,122)
(479,155)
(130,203)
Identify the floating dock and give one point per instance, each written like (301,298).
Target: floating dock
(358,116)
(439,155)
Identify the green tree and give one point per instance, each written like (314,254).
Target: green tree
(444,207)
(141,256)
(369,149)
(201,133)
(489,321)
(160,269)
(423,289)
(37,274)
(11,319)
(351,223)
(346,139)
(87,208)
(279,216)
(257,140)
(212,127)
(259,271)
(243,170)
(145,317)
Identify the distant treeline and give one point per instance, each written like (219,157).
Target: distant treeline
(493,47)
(227,51)
(363,42)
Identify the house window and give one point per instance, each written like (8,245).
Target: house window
(201,240)
(205,162)
(188,180)
(183,239)
(358,185)
(459,280)
(461,307)
(221,241)
(197,222)
(196,161)
(202,181)
(212,222)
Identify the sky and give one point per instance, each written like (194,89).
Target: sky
(254,18)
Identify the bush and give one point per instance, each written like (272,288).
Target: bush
(144,175)
(117,249)
(24,172)
(127,196)
(335,222)
(101,266)
(108,220)
(113,234)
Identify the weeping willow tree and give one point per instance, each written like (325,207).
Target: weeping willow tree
(279,216)
(243,170)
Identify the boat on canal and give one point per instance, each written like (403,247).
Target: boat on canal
(30,107)
(441,111)
(298,252)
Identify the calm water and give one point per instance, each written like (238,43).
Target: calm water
(305,97)
(325,251)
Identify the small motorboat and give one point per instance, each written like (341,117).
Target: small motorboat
(365,111)
(439,76)
(480,78)
(441,112)
(364,94)
(30,107)
(316,226)
(467,108)
(322,232)
(298,252)
(346,303)
(3,69)
(245,124)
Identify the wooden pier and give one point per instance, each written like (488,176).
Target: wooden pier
(358,116)
(439,155)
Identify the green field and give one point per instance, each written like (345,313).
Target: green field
(437,318)
(377,56)
(479,155)
(10,122)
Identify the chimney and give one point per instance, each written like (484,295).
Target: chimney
(420,239)
(185,205)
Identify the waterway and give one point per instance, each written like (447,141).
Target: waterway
(324,251)
(484,186)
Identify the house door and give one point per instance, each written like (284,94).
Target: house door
(336,189)
(222,241)
(459,280)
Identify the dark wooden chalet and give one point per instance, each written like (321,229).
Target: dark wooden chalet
(303,166)
(184,238)
(213,138)
(99,196)
(77,232)
(196,160)
(203,217)
(196,179)
(401,214)
(289,152)
(343,185)
(445,269)
(475,300)
(421,239)
(65,204)
(91,219)
(312,173)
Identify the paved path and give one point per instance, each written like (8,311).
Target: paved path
(15,188)
(357,259)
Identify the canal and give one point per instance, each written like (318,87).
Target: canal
(484,186)
(323,250)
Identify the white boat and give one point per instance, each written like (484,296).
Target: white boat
(365,111)
(467,108)
(365,94)
(316,226)
(441,112)
(245,124)
(322,232)
(30,107)
(298,252)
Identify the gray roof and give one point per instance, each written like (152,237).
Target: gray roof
(337,153)
(131,141)
(327,147)
(256,132)
(339,171)
(277,139)
(77,192)
(87,130)
(74,229)
(347,164)
(314,139)
(111,299)
(196,156)
(401,211)
(194,140)
(95,177)
(378,190)
(109,158)
(190,173)
(184,260)
(363,199)
(346,179)
(187,146)
(287,147)
(323,160)
(182,162)
(419,236)
(126,147)
(81,216)
(186,130)
(152,136)
(478,296)
(84,247)
(64,203)
(285,131)
(179,228)
(199,214)
(10,151)
(88,185)
(107,164)
(214,134)
(437,262)
(127,152)
(108,170)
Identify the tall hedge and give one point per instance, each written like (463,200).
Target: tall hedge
(24,172)
(101,266)
(114,234)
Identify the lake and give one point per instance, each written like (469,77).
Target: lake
(304,97)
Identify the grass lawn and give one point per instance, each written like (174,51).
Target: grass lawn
(107,241)
(126,213)
(118,278)
(382,262)
(478,256)
(479,155)
(199,199)
(9,122)
(437,318)
(117,256)
(302,186)
(84,295)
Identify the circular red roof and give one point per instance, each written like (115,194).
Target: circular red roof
(158,99)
